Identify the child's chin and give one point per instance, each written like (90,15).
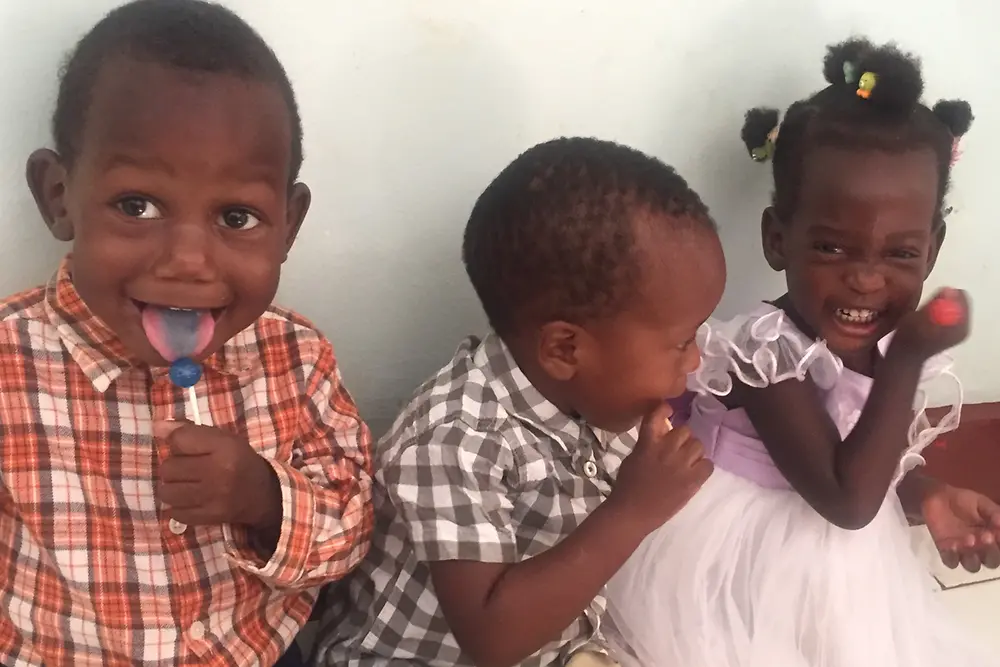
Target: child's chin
(618,424)
(678,390)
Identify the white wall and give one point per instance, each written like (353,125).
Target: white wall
(412,106)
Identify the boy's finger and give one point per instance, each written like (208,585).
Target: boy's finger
(187,439)
(703,469)
(693,451)
(182,469)
(182,495)
(656,424)
(164,429)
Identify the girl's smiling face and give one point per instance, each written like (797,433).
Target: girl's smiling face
(861,242)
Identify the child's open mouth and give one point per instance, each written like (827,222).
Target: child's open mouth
(176,332)
(860,316)
(858,322)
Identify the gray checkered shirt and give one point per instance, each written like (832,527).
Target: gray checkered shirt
(479,466)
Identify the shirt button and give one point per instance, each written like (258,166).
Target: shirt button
(197,631)
(590,469)
(176,527)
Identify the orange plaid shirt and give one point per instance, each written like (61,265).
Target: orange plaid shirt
(93,573)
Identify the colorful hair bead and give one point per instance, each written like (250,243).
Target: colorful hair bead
(866,84)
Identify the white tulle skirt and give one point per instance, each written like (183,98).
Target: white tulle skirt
(746,576)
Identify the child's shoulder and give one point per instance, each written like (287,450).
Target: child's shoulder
(22,306)
(460,390)
(284,336)
(760,348)
(26,330)
(286,320)
(22,318)
(461,396)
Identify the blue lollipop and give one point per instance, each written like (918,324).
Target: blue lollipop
(185,373)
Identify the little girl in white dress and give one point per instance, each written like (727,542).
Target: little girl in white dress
(796,552)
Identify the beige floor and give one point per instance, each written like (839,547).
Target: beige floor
(977,605)
(975,598)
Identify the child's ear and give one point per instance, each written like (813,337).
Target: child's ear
(298,205)
(47,179)
(937,240)
(559,350)
(773,239)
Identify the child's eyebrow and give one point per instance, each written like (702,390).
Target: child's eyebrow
(263,171)
(913,235)
(148,162)
(827,230)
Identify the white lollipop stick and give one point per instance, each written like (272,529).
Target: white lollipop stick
(183,369)
(193,400)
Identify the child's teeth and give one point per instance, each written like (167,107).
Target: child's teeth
(857,315)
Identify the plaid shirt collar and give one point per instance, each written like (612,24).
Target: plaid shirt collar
(100,354)
(519,397)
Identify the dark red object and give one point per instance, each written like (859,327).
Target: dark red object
(946,312)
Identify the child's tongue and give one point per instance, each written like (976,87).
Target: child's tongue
(176,333)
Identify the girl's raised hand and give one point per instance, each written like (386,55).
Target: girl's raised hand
(939,325)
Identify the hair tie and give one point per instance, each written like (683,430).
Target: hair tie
(956,150)
(850,73)
(765,152)
(866,84)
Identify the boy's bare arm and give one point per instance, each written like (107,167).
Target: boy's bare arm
(503,613)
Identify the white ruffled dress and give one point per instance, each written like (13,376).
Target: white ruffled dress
(748,574)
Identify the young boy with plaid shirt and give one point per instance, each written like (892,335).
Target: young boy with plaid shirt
(518,480)
(129,535)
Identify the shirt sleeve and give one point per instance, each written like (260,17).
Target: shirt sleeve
(449,487)
(325,491)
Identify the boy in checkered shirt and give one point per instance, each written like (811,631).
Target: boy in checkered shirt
(129,535)
(525,472)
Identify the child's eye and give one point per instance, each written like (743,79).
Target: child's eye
(904,253)
(137,207)
(828,248)
(239,218)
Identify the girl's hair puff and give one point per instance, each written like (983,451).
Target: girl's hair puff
(872,102)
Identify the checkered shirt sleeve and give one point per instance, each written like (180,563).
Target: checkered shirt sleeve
(325,490)
(448,486)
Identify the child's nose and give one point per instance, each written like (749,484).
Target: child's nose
(692,359)
(865,279)
(186,254)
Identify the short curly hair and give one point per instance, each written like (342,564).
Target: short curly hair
(186,34)
(883,112)
(553,236)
